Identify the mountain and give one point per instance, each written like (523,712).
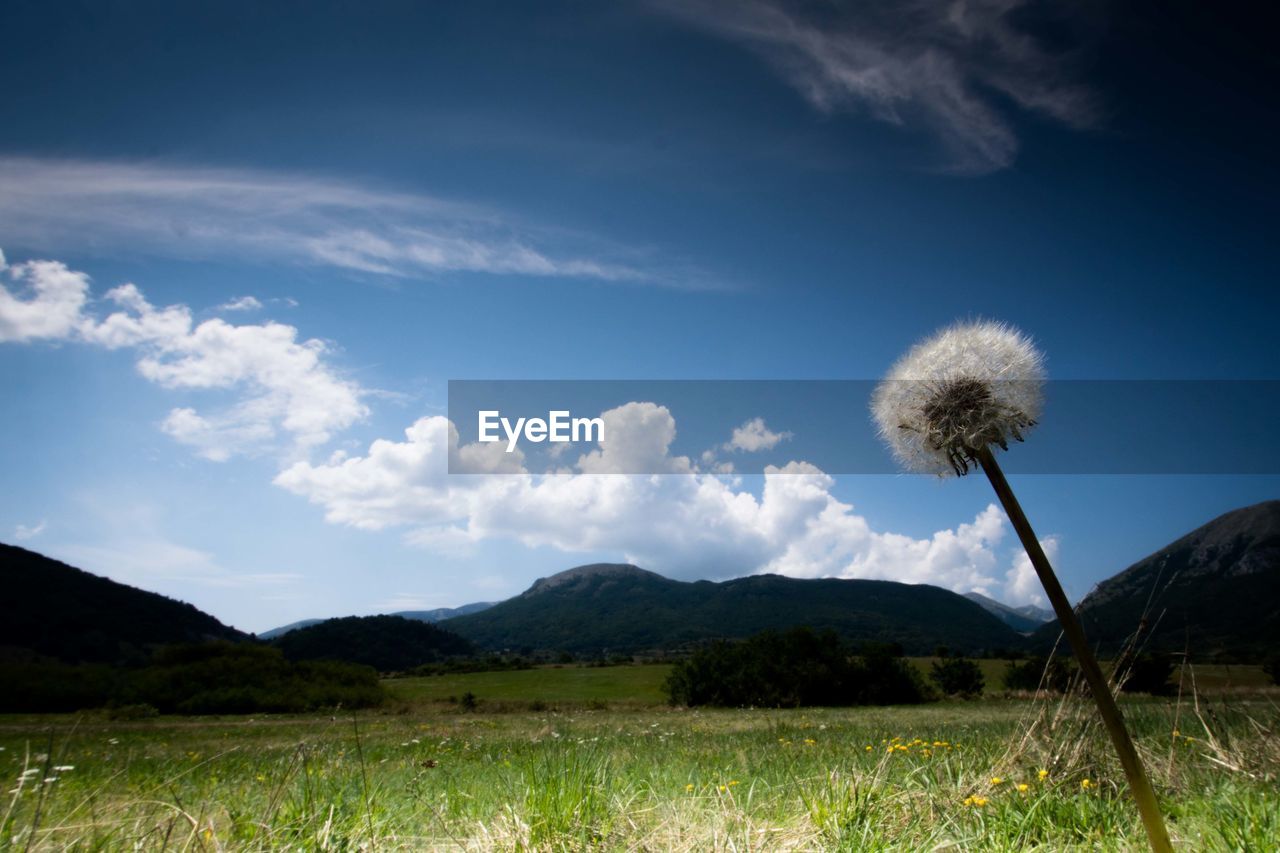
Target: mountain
(386,643)
(1215,592)
(442,613)
(622,608)
(54,610)
(284,629)
(1023,619)
(437,615)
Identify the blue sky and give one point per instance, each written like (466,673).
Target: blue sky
(413,193)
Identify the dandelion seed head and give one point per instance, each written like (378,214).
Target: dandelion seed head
(968,386)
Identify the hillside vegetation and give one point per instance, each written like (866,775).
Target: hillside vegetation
(1214,593)
(386,643)
(605,608)
(50,609)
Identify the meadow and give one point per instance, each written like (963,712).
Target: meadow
(581,758)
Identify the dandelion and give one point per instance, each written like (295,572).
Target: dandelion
(940,409)
(688,788)
(969,386)
(975,801)
(1042,774)
(1023,787)
(1085,784)
(996,780)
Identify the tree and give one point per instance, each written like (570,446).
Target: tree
(790,669)
(1149,673)
(958,677)
(1037,673)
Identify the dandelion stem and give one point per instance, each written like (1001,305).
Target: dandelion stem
(1139,784)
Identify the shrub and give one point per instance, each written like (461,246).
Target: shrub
(958,677)
(791,669)
(1148,673)
(1272,668)
(1057,675)
(208,678)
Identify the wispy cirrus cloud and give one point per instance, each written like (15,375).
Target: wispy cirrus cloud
(943,67)
(203,213)
(23,532)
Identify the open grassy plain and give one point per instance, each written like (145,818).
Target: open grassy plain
(602,765)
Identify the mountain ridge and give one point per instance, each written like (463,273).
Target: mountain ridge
(55,610)
(439,614)
(1024,620)
(619,607)
(1217,589)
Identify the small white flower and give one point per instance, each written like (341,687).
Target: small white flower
(968,386)
(62,768)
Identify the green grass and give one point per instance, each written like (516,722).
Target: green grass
(642,685)
(553,685)
(424,775)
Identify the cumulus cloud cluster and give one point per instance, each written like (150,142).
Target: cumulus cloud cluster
(694,525)
(939,66)
(754,436)
(691,521)
(280,384)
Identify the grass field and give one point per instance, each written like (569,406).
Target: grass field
(632,685)
(642,685)
(424,775)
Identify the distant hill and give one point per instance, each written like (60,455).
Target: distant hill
(284,629)
(387,643)
(54,610)
(437,615)
(1215,591)
(1023,619)
(621,608)
(442,613)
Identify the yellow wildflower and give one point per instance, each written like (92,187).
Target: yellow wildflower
(1042,774)
(688,787)
(1023,787)
(996,780)
(1085,784)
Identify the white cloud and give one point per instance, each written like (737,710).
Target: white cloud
(280,384)
(753,436)
(205,213)
(22,532)
(50,306)
(148,561)
(407,601)
(242,303)
(1022,585)
(690,525)
(918,63)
